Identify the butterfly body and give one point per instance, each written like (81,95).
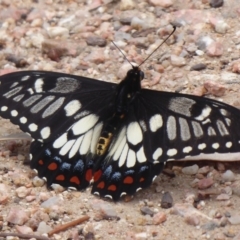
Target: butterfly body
(116,137)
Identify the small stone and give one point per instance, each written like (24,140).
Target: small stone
(127,5)
(236,67)
(141,236)
(4,196)
(220,167)
(161,3)
(167,200)
(215,49)
(228,176)
(191,170)
(17,216)
(192,220)
(159,218)
(216,3)
(138,23)
(96,56)
(22,191)
(38,182)
(177,61)
(221,27)
(43,228)
(23,229)
(223,197)
(57,188)
(198,67)
(210,226)
(94,40)
(234,220)
(51,202)
(204,170)
(58,32)
(215,88)
(205,183)
(146,211)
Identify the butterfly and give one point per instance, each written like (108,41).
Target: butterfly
(116,137)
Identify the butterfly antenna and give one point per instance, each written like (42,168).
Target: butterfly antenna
(122,53)
(174,28)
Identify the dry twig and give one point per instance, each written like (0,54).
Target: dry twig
(24,236)
(68,225)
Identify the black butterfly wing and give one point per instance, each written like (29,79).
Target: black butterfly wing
(163,126)
(64,114)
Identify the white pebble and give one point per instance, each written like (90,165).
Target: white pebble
(191,170)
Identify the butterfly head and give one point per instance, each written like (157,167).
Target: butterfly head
(135,73)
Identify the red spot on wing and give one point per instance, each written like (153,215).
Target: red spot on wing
(101,185)
(142,179)
(112,187)
(52,166)
(128,180)
(75,180)
(97,175)
(40,162)
(60,177)
(88,175)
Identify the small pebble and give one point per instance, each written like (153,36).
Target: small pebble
(228,176)
(216,3)
(198,67)
(205,183)
(167,200)
(234,220)
(146,211)
(159,218)
(191,170)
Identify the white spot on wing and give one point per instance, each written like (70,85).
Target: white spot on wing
(14,85)
(38,85)
(211,131)
(118,146)
(65,149)
(184,129)
(84,124)
(28,102)
(222,128)
(53,107)
(131,158)
(197,129)
(181,105)
(25,78)
(75,148)
(96,133)
(171,152)
(4,108)
(45,132)
(86,143)
(59,142)
(187,149)
(171,128)
(12,92)
(155,122)
(18,98)
(33,127)
(41,104)
(14,113)
(72,107)
(141,156)
(134,133)
(123,156)
(228,144)
(215,145)
(23,120)
(201,146)
(204,114)
(158,153)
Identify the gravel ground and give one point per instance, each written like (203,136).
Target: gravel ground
(201,58)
